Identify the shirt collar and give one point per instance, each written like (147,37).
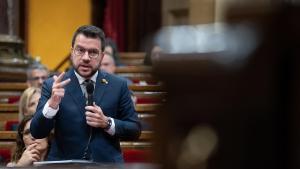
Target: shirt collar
(82,79)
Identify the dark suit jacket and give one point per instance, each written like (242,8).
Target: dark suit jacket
(71,131)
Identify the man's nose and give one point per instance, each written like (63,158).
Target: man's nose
(86,56)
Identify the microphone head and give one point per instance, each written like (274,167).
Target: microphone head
(90,88)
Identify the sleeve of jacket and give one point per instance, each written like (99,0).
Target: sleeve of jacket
(127,124)
(41,126)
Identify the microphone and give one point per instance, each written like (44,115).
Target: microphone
(90,91)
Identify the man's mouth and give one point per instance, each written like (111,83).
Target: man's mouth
(85,66)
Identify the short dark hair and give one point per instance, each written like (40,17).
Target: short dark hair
(90,31)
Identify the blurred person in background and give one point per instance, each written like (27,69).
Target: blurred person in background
(37,73)
(28,101)
(108,63)
(28,149)
(112,49)
(150,54)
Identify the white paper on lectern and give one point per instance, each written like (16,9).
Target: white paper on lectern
(39,163)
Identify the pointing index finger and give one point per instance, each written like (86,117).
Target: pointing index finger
(58,83)
(64,83)
(58,79)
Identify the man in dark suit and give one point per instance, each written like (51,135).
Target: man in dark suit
(86,132)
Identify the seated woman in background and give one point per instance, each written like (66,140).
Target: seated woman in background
(28,149)
(28,101)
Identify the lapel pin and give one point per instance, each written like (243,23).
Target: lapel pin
(104,81)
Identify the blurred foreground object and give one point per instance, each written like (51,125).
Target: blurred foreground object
(220,115)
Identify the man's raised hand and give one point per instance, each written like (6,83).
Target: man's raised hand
(58,90)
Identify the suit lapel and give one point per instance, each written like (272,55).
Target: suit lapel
(100,86)
(75,91)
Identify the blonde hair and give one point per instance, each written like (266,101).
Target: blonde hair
(25,99)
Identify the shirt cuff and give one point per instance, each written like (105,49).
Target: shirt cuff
(49,112)
(111,131)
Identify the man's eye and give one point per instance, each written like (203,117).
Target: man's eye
(93,52)
(81,50)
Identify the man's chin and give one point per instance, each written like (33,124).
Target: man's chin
(85,74)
